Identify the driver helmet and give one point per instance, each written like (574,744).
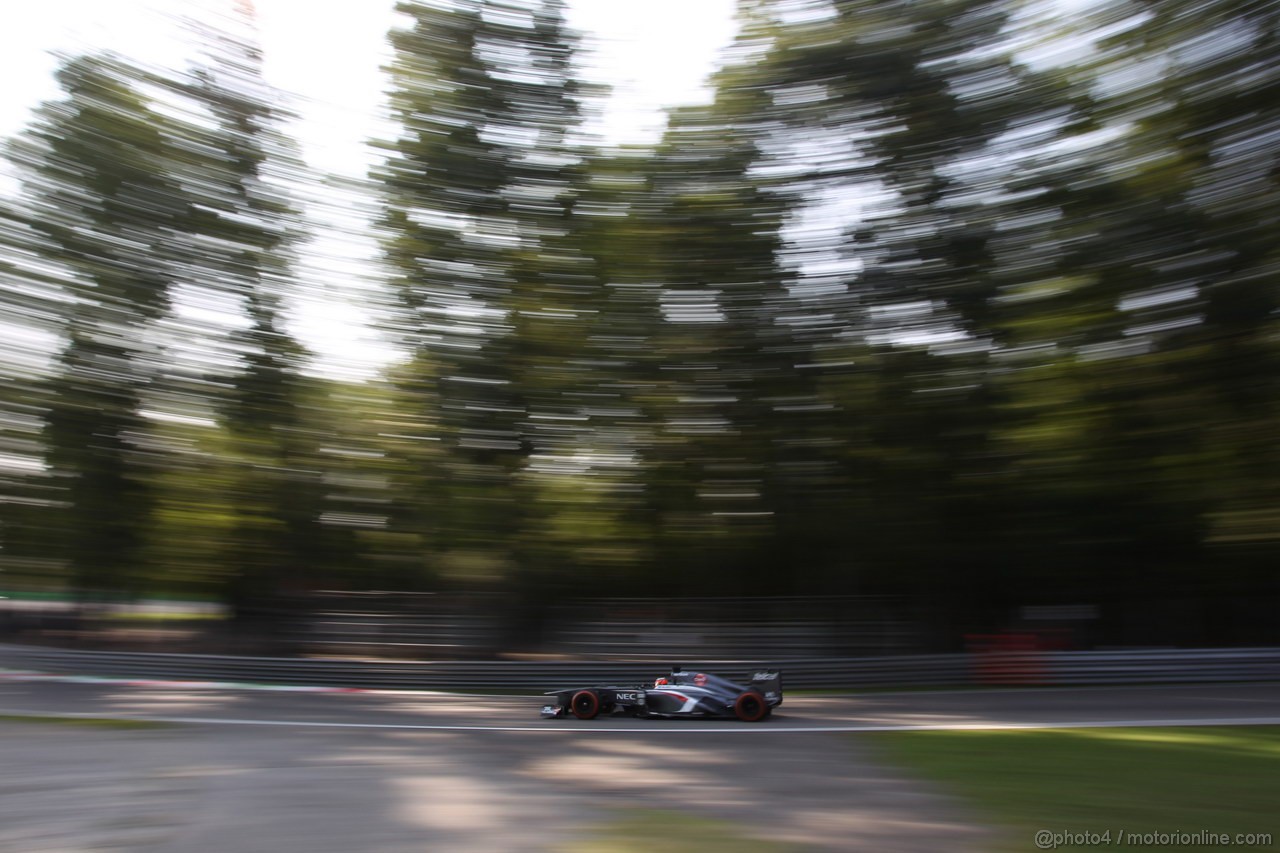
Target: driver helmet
(660,682)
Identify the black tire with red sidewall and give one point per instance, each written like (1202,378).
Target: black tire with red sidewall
(751,707)
(585,704)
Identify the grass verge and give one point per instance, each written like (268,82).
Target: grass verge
(1111,782)
(91,722)
(151,618)
(645,830)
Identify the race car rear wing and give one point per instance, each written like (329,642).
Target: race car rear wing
(770,684)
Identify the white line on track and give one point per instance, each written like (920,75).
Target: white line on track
(15,675)
(555,729)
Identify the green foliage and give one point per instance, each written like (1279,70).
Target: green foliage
(493,290)
(90,722)
(107,214)
(960,300)
(1138,780)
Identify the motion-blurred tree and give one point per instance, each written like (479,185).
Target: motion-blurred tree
(885,125)
(477,197)
(957,299)
(1127,436)
(720,375)
(104,206)
(243,244)
(1186,245)
(147,194)
(1071,226)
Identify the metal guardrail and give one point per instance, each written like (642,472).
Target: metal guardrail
(991,668)
(1156,666)
(449,626)
(730,639)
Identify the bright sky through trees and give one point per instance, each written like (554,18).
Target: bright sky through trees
(326,61)
(654,54)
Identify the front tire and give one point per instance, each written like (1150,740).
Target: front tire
(585,704)
(751,707)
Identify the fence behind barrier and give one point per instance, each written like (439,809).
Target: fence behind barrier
(950,670)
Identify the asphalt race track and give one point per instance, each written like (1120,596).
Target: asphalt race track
(1046,708)
(243,770)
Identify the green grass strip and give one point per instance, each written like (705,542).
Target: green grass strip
(1084,786)
(91,722)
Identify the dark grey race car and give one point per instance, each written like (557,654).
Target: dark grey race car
(680,694)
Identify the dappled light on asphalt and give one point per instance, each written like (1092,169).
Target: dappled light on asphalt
(592,767)
(162,702)
(448,803)
(315,787)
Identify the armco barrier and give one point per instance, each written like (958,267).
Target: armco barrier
(1156,666)
(461,675)
(1054,668)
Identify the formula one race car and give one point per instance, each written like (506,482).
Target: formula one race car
(680,694)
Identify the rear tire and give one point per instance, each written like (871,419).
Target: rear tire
(585,704)
(751,707)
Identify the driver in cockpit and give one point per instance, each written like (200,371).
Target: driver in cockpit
(677,672)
